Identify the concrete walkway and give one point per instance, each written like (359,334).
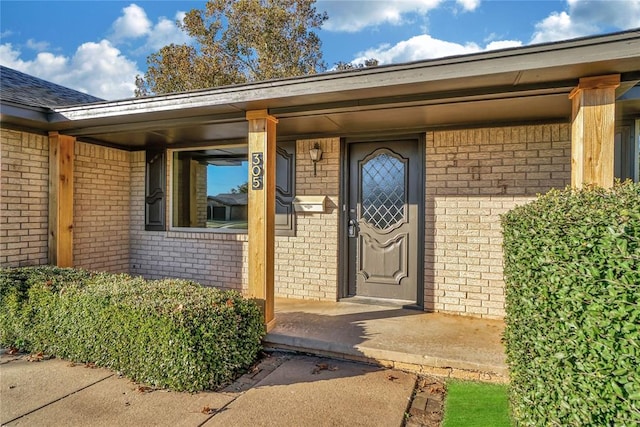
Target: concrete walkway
(429,343)
(285,390)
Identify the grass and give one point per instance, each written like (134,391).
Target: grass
(470,404)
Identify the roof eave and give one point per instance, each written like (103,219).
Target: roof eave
(550,56)
(26,116)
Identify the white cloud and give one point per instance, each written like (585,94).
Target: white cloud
(560,26)
(354,15)
(585,18)
(469,5)
(619,14)
(99,69)
(8,55)
(37,46)
(166,32)
(502,44)
(426,47)
(132,24)
(582,18)
(135,25)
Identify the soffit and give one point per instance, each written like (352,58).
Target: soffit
(344,123)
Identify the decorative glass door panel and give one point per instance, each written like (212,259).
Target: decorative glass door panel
(383,181)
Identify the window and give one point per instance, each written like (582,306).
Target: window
(627,151)
(210,188)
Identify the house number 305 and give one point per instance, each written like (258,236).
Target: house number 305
(257,170)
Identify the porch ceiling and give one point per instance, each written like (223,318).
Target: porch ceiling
(337,122)
(522,84)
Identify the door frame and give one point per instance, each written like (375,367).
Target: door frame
(343,245)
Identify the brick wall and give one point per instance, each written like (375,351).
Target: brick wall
(201,194)
(102,182)
(473,176)
(24,198)
(307,264)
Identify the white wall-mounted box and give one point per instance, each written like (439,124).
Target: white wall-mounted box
(310,203)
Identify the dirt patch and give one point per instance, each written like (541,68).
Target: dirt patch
(427,406)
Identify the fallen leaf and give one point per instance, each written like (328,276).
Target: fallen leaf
(438,388)
(208,411)
(12,351)
(323,367)
(144,389)
(229,303)
(12,387)
(391,378)
(35,357)
(71,364)
(90,365)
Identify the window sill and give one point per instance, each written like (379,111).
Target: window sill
(207,234)
(216,234)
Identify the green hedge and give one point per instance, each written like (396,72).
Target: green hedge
(572,272)
(166,333)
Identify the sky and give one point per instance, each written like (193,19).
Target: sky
(223,179)
(99,47)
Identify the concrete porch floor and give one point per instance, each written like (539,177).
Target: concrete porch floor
(429,343)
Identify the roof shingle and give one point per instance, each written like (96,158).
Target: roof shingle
(31,91)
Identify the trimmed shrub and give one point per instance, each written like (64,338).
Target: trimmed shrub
(166,333)
(572,273)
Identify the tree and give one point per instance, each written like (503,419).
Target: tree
(240,189)
(342,66)
(237,42)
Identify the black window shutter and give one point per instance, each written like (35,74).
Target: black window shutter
(285,188)
(155,193)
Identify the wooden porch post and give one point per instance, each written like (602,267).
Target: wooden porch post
(593,131)
(61,155)
(261,215)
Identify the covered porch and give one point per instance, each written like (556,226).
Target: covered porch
(429,343)
(492,130)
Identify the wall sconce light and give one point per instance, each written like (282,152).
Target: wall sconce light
(316,154)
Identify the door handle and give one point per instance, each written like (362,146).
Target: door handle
(352,228)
